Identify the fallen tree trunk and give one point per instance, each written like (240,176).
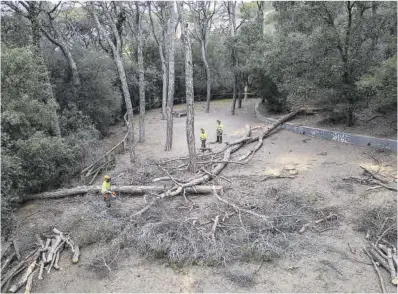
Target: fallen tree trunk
(134,190)
(229,149)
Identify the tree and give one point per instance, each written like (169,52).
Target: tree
(54,35)
(160,41)
(136,28)
(171,77)
(231,9)
(190,122)
(32,13)
(330,50)
(203,12)
(114,43)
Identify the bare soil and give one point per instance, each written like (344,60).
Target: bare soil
(317,261)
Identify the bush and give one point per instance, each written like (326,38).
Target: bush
(46,161)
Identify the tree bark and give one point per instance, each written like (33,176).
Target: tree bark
(190,122)
(208,75)
(141,82)
(233,106)
(164,83)
(240,95)
(121,73)
(160,44)
(171,76)
(231,7)
(132,190)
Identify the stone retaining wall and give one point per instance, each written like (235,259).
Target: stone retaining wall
(354,139)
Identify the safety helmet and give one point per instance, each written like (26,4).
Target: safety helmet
(218,121)
(202,129)
(107,177)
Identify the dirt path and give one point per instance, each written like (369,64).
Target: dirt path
(325,265)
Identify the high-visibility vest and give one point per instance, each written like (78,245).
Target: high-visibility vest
(220,127)
(203,136)
(106,186)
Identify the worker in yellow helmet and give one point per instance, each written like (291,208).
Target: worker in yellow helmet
(107,190)
(220,128)
(203,137)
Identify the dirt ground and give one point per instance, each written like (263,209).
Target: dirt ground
(367,123)
(321,261)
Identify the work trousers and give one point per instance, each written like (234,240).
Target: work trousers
(219,137)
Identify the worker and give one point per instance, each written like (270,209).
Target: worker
(219,131)
(203,137)
(107,190)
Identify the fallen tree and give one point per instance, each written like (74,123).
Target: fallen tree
(131,190)
(228,150)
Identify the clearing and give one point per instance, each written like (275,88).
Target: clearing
(325,258)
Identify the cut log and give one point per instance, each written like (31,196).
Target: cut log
(56,266)
(56,251)
(76,254)
(7,285)
(133,190)
(66,240)
(29,283)
(7,261)
(14,288)
(43,253)
(393,272)
(41,270)
(11,273)
(53,248)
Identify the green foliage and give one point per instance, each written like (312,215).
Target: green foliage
(380,84)
(46,161)
(32,158)
(98,97)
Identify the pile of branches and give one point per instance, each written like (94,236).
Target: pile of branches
(222,230)
(45,257)
(372,179)
(384,256)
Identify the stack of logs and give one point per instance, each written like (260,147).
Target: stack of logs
(383,256)
(45,257)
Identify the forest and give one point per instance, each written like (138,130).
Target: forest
(73,71)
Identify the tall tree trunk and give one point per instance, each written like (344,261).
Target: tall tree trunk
(208,77)
(164,82)
(260,15)
(170,94)
(190,122)
(164,60)
(121,74)
(141,82)
(240,90)
(233,106)
(350,115)
(129,106)
(246,89)
(33,16)
(231,6)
